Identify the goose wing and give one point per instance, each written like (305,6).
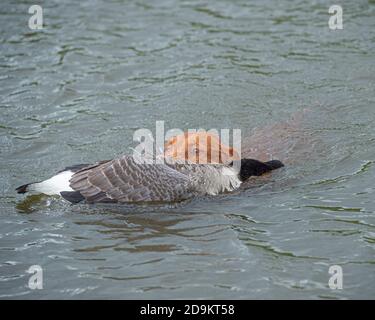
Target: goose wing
(125,180)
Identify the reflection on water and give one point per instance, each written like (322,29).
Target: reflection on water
(76,91)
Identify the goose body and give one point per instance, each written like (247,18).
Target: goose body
(126,180)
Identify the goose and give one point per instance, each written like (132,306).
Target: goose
(126,179)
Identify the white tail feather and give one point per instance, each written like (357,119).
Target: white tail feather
(54,185)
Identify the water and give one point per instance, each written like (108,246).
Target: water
(76,91)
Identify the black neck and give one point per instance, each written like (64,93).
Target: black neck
(252,167)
